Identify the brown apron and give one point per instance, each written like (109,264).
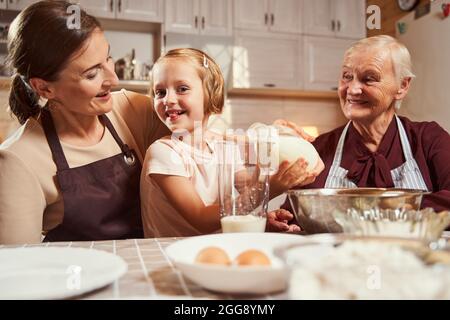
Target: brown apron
(101,199)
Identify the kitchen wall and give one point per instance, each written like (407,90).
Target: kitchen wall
(318,114)
(390,13)
(314,115)
(122,42)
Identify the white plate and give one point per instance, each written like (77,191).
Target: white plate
(56,273)
(233,279)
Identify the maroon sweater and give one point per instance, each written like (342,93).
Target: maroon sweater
(430,146)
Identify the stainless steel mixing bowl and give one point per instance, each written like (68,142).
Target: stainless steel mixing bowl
(316,209)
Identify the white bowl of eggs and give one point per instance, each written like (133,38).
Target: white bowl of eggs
(241,263)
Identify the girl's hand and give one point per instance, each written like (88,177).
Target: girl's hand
(278,221)
(313,175)
(288,176)
(293,175)
(299,130)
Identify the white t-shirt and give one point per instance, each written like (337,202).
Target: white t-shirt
(170,156)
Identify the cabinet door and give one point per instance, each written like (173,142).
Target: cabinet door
(99,8)
(350,18)
(261,60)
(16,4)
(323,58)
(215,17)
(182,16)
(285,15)
(251,14)
(140,10)
(318,17)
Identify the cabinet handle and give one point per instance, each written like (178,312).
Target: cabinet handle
(272,18)
(203,22)
(334,88)
(339,25)
(11,1)
(111,5)
(266,18)
(196,22)
(333,25)
(120,5)
(269,85)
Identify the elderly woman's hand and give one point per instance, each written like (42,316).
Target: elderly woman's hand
(281,221)
(299,130)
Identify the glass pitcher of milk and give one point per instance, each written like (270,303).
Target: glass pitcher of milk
(244,171)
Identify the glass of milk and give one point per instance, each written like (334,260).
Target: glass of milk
(243,179)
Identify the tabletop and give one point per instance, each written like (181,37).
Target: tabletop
(150,275)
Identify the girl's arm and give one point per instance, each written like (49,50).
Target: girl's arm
(184,198)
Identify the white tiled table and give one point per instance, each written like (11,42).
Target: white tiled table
(150,273)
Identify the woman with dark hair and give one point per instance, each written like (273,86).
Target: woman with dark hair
(71,171)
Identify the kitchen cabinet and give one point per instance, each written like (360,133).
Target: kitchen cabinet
(15,4)
(323,58)
(218,48)
(263,61)
(136,10)
(268,15)
(335,18)
(204,17)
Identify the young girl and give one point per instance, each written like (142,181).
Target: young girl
(179,190)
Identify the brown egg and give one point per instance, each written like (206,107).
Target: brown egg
(252,258)
(213,255)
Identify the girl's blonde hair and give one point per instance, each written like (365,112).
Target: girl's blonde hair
(208,71)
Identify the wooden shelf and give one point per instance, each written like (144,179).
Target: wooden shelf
(134,85)
(281,93)
(5,83)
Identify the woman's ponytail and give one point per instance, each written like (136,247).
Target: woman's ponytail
(23,101)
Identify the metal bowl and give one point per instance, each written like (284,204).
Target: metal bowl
(316,210)
(425,225)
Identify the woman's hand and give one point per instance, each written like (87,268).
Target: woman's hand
(299,130)
(278,221)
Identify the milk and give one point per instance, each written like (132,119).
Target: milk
(248,223)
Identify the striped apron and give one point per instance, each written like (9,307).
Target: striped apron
(407,176)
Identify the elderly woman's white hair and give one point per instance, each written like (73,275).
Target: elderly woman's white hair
(401,59)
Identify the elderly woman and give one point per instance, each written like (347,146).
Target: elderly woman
(378,148)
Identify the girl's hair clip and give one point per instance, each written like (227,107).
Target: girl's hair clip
(205,62)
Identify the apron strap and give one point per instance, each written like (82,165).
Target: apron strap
(340,147)
(123,146)
(57,150)
(53,140)
(404,140)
